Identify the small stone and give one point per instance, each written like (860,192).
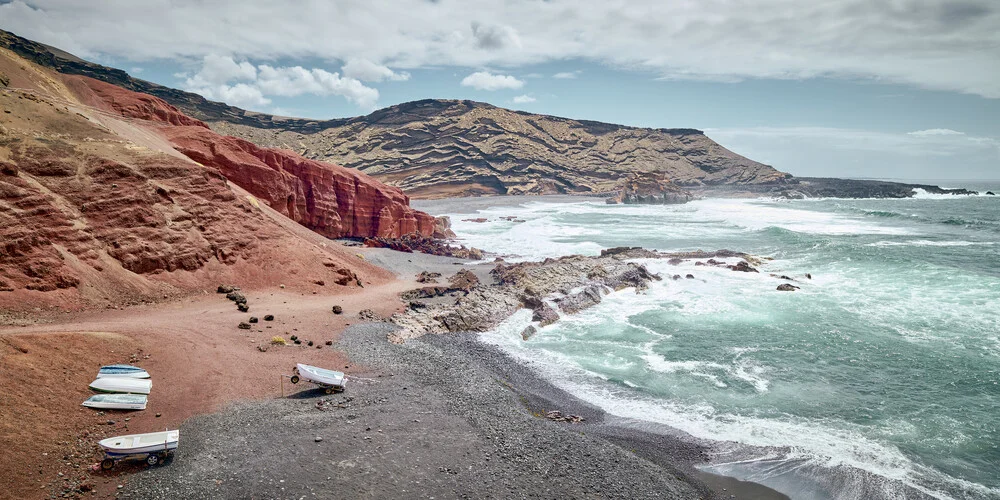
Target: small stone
(243,325)
(329,342)
(318,439)
(310,343)
(338,310)
(157,415)
(268,317)
(242,307)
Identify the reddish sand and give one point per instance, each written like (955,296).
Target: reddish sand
(198,359)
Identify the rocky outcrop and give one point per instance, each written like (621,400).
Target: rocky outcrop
(329,199)
(649,189)
(822,187)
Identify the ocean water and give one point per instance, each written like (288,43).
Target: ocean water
(880,378)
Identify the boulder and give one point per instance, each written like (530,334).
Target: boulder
(242,307)
(787,287)
(689,276)
(545,315)
(236,297)
(743,266)
(226,289)
(338,310)
(253,319)
(464,280)
(528,332)
(243,325)
(268,317)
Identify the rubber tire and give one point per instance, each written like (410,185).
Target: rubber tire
(152,459)
(295,379)
(107,464)
(329,390)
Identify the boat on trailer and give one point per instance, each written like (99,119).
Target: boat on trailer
(122,385)
(125,371)
(117,401)
(330,380)
(152,447)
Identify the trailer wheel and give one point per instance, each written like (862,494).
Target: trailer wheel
(295,379)
(107,464)
(152,459)
(329,390)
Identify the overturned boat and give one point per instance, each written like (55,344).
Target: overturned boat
(122,385)
(125,371)
(327,379)
(117,401)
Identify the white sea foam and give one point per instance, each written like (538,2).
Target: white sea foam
(822,443)
(922,194)
(930,243)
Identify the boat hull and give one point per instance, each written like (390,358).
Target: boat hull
(132,444)
(116,402)
(320,376)
(116,385)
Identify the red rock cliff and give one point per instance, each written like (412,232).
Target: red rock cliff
(329,199)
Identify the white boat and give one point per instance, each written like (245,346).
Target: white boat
(117,401)
(122,385)
(328,379)
(152,442)
(127,371)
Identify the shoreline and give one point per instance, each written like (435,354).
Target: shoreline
(450,412)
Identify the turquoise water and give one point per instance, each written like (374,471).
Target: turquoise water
(880,378)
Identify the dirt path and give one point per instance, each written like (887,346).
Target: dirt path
(198,358)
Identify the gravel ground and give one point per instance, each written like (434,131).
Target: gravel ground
(437,420)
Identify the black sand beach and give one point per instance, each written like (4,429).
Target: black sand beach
(437,417)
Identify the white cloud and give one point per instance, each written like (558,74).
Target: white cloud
(365,70)
(566,75)
(524,99)
(245,85)
(936,131)
(484,80)
(934,44)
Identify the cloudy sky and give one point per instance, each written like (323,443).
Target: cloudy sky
(859,88)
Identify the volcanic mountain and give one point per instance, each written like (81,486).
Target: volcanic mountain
(108,196)
(437,148)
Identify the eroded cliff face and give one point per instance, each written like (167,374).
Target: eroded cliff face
(440,148)
(99,208)
(329,199)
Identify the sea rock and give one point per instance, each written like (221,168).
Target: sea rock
(581,300)
(990,193)
(528,332)
(442,228)
(787,287)
(648,188)
(689,276)
(743,266)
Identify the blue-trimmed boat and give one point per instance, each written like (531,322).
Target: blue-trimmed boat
(126,371)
